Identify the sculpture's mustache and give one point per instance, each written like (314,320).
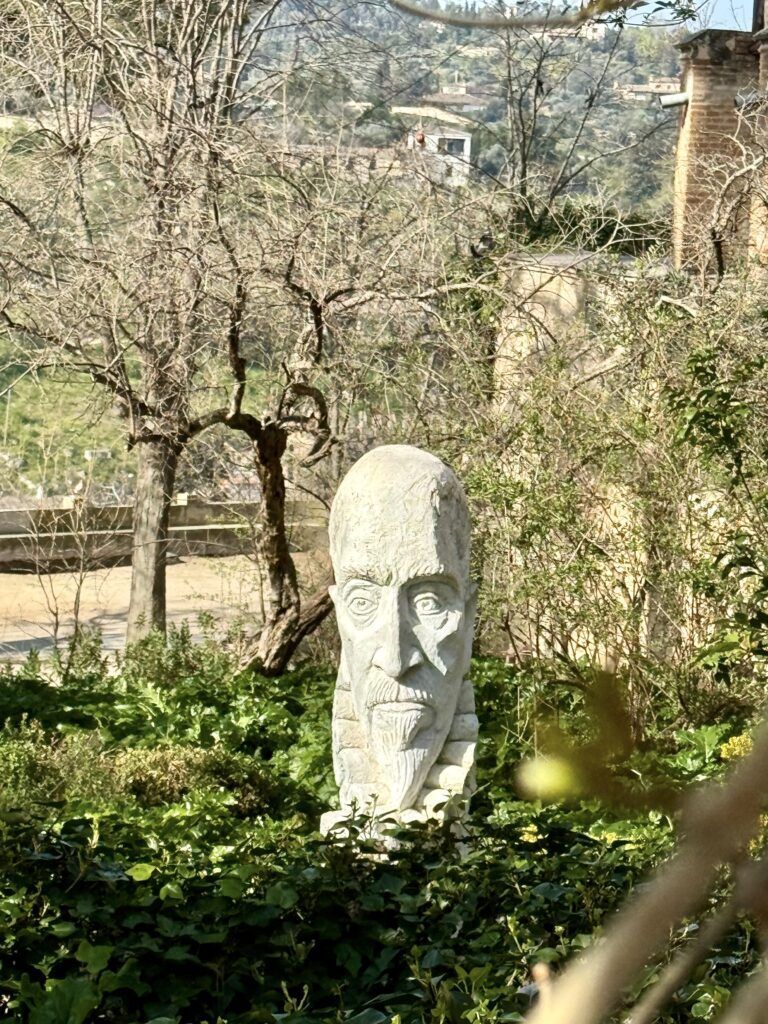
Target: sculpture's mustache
(384,690)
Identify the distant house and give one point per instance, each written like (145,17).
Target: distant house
(646,92)
(445,152)
(479,51)
(592,31)
(458,96)
(419,112)
(466,103)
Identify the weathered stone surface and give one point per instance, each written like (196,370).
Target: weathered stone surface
(404,728)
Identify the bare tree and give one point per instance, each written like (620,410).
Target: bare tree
(157,236)
(344,267)
(114,265)
(137,257)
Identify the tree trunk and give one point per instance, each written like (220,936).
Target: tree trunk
(280,639)
(154,488)
(285,622)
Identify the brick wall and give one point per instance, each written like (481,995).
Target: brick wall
(758,228)
(716,66)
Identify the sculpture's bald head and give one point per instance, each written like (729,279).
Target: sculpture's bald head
(399,534)
(402,512)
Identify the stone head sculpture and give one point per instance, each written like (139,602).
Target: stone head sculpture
(404,727)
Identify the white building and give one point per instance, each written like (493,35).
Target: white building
(646,92)
(444,150)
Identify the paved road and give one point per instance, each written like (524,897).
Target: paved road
(225,587)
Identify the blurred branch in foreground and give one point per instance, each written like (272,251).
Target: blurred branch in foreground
(593,9)
(717,823)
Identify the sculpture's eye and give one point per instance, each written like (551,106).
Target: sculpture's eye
(362,603)
(428,604)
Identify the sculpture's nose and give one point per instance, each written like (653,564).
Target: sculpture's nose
(398,649)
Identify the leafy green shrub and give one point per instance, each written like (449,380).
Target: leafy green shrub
(159,856)
(165,774)
(159,775)
(19,759)
(38,767)
(245,776)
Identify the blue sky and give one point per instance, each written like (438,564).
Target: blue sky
(729,14)
(734,14)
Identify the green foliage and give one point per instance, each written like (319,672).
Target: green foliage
(712,406)
(50,424)
(616,476)
(718,405)
(159,858)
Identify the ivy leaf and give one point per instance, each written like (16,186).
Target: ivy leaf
(127,977)
(347,956)
(232,887)
(141,872)
(68,1001)
(171,891)
(95,958)
(62,929)
(281,894)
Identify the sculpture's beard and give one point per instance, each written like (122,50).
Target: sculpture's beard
(400,740)
(405,729)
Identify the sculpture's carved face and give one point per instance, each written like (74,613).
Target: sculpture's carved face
(406,632)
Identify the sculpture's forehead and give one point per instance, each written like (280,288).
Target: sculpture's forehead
(390,546)
(387,573)
(399,514)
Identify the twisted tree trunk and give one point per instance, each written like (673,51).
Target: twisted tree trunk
(286,620)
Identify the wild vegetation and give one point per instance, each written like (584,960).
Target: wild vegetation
(160,856)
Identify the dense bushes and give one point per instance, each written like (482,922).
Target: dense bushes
(159,859)
(37,767)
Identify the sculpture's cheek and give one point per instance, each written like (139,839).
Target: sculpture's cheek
(452,627)
(445,645)
(360,638)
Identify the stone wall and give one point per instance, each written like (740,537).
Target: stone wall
(553,301)
(641,585)
(91,537)
(550,295)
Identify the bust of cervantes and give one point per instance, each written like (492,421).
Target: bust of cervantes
(404,724)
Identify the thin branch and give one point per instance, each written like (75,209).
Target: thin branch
(591,10)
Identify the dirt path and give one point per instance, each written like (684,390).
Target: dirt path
(225,587)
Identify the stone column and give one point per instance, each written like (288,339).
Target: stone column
(758,227)
(716,66)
